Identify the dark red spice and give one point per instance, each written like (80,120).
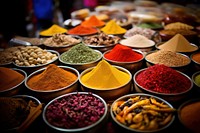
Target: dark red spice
(163,79)
(123,53)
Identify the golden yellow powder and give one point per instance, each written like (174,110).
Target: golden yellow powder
(178,43)
(105,76)
(113,28)
(54,29)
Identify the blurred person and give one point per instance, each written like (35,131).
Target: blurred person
(66,7)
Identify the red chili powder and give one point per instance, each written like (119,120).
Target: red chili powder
(82,30)
(163,79)
(123,53)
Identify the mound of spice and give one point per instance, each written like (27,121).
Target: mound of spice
(80,53)
(82,30)
(105,76)
(52,78)
(190,116)
(93,21)
(75,111)
(178,43)
(163,79)
(196,57)
(9,78)
(178,26)
(197,80)
(123,53)
(113,28)
(138,41)
(168,58)
(54,29)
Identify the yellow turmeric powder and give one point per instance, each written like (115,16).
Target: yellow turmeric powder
(54,29)
(113,28)
(9,78)
(52,78)
(105,76)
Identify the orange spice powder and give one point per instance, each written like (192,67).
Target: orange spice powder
(93,21)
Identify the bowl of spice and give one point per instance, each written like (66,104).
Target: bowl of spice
(76,112)
(141,113)
(19,113)
(196,80)
(32,58)
(195,57)
(82,31)
(188,114)
(106,80)
(101,41)
(61,42)
(80,57)
(12,81)
(171,59)
(52,81)
(93,21)
(163,81)
(125,57)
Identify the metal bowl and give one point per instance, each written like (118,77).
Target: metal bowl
(131,66)
(17,88)
(182,68)
(172,97)
(48,95)
(96,127)
(108,94)
(196,85)
(82,66)
(195,64)
(30,69)
(121,127)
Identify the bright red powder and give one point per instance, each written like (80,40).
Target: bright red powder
(123,53)
(163,79)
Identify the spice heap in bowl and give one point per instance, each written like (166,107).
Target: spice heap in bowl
(195,57)
(80,57)
(141,112)
(188,114)
(82,31)
(52,81)
(76,112)
(171,59)
(196,80)
(101,41)
(106,80)
(12,81)
(93,21)
(163,81)
(125,57)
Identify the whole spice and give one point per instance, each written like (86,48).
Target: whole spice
(93,21)
(123,54)
(80,53)
(190,116)
(196,57)
(112,28)
(82,30)
(197,80)
(162,79)
(105,76)
(51,78)
(54,29)
(168,58)
(75,111)
(9,78)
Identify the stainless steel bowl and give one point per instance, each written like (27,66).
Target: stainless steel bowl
(108,94)
(96,127)
(196,86)
(48,95)
(121,127)
(195,64)
(15,89)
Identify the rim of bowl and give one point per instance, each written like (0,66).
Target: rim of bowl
(77,129)
(108,89)
(130,62)
(150,52)
(158,44)
(140,94)
(42,69)
(158,93)
(69,45)
(52,51)
(25,76)
(67,63)
(151,46)
(191,57)
(193,77)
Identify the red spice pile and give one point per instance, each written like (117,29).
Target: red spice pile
(82,30)
(123,53)
(163,79)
